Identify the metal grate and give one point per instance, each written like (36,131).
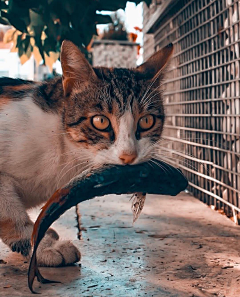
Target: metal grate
(202,99)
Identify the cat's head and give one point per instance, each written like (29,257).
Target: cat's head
(116,113)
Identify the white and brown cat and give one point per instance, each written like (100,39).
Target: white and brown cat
(53,130)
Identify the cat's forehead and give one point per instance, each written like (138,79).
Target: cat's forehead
(116,91)
(124,87)
(121,79)
(113,74)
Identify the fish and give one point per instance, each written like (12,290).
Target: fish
(157,178)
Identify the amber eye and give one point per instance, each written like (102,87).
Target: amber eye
(146,122)
(100,122)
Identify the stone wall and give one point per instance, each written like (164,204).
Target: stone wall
(113,53)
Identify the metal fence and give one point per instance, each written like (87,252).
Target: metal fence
(202,132)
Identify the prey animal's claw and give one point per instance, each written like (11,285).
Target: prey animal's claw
(138,200)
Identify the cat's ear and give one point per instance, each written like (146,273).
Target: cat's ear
(75,67)
(153,67)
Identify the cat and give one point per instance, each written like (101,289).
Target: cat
(51,131)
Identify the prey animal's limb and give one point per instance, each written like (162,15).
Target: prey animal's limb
(138,200)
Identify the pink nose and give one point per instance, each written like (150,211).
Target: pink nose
(128,159)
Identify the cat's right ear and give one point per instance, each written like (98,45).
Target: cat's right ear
(75,67)
(154,66)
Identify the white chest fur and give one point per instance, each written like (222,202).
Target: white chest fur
(33,150)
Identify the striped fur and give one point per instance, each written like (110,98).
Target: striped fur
(47,135)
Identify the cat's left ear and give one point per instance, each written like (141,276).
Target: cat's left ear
(75,67)
(154,66)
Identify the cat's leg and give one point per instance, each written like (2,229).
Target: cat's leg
(15,225)
(16,229)
(54,253)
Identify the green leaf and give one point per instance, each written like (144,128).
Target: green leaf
(4,21)
(103,19)
(116,4)
(25,43)
(20,50)
(112,5)
(3,5)
(69,6)
(49,45)
(17,12)
(16,22)
(38,43)
(19,40)
(20,45)
(36,19)
(27,3)
(4,18)
(74,20)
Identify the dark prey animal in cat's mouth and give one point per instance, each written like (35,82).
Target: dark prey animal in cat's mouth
(159,178)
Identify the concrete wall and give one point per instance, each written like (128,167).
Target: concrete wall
(112,53)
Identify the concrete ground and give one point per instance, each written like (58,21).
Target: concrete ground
(179,247)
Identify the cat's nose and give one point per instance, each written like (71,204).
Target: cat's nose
(128,158)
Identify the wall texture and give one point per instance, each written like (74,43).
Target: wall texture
(112,53)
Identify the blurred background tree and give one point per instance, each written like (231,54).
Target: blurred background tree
(42,25)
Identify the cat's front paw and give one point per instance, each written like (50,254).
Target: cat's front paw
(61,253)
(22,246)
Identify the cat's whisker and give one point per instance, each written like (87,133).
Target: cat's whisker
(150,163)
(152,103)
(78,164)
(78,158)
(105,157)
(67,163)
(173,160)
(148,99)
(157,156)
(168,166)
(159,165)
(71,152)
(157,89)
(147,152)
(175,152)
(86,167)
(63,133)
(149,87)
(182,163)
(165,161)
(76,151)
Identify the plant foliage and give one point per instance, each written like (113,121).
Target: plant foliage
(49,22)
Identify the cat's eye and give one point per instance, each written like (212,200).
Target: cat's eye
(100,122)
(146,122)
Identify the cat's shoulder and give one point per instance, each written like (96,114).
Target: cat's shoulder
(14,89)
(13,82)
(45,94)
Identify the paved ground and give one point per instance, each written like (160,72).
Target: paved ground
(178,248)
